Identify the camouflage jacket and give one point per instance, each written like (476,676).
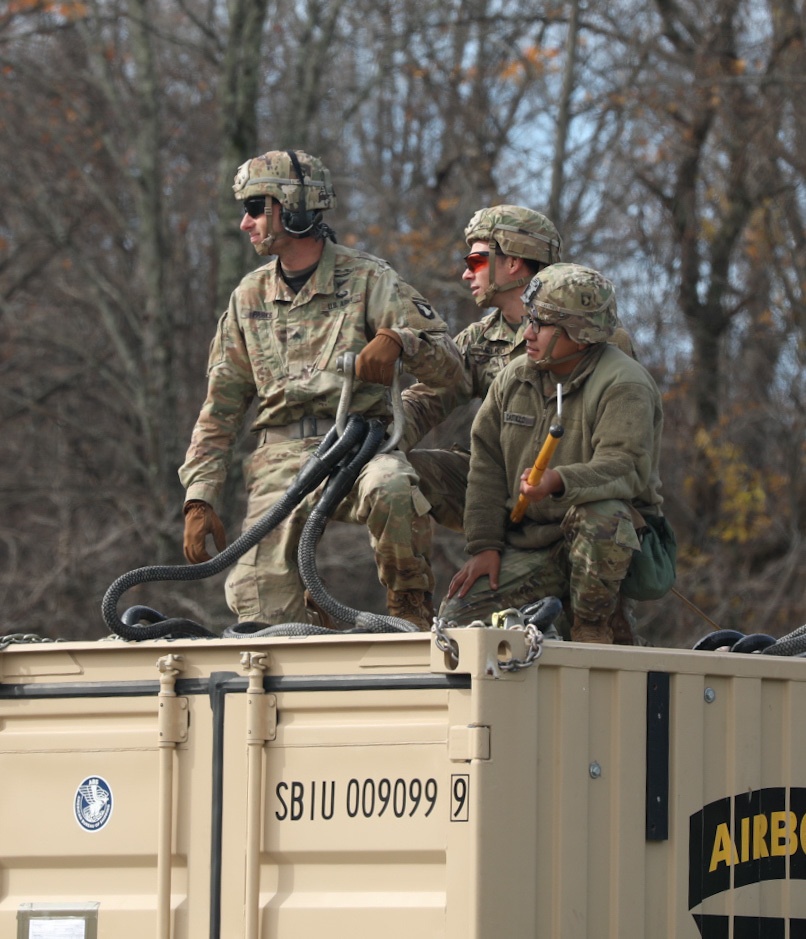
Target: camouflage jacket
(486,347)
(612,418)
(281,350)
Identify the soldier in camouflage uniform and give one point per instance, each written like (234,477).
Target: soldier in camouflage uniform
(278,343)
(579,533)
(508,244)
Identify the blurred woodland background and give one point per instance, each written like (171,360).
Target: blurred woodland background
(665,138)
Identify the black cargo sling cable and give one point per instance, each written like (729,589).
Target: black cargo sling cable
(332,448)
(340,456)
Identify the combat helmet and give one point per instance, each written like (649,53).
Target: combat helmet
(518,232)
(577,300)
(298,181)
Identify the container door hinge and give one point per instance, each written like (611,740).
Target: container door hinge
(468,742)
(261,716)
(173,720)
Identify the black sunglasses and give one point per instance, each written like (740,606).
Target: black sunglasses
(254,207)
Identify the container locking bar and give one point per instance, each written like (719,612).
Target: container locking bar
(173,730)
(657,756)
(261,726)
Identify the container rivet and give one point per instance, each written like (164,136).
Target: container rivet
(710,696)
(595,770)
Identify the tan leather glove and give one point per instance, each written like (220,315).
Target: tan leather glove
(201,521)
(376,361)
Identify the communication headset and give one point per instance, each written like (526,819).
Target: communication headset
(298,223)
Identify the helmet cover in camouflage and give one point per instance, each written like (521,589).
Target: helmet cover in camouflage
(273,174)
(579,300)
(518,231)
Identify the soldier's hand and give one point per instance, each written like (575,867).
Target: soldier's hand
(201,521)
(376,361)
(550,483)
(484,564)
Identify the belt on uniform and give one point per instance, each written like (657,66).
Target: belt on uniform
(299,430)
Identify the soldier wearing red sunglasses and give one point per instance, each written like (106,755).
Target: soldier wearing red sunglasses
(508,245)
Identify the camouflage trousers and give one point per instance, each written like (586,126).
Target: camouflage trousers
(584,569)
(264,585)
(443,481)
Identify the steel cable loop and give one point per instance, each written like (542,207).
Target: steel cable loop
(320,464)
(346,365)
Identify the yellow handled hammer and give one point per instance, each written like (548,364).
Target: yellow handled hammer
(543,458)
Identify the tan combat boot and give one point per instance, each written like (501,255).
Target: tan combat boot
(587,631)
(622,622)
(322,618)
(416,606)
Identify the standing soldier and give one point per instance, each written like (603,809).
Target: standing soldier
(278,343)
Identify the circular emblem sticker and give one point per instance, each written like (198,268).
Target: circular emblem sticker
(93,803)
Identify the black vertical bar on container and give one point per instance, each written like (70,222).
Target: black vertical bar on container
(218,691)
(657,756)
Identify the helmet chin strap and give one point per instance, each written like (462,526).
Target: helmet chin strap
(547,361)
(263,248)
(485,298)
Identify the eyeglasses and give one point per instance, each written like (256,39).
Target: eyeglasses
(254,207)
(476,260)
(537,323)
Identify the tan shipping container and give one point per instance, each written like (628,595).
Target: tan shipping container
(373,785)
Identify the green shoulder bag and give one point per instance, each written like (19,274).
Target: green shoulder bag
(652,569)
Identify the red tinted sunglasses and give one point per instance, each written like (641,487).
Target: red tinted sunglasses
(476,260)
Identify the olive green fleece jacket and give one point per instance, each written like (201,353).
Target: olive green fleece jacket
(612,419)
